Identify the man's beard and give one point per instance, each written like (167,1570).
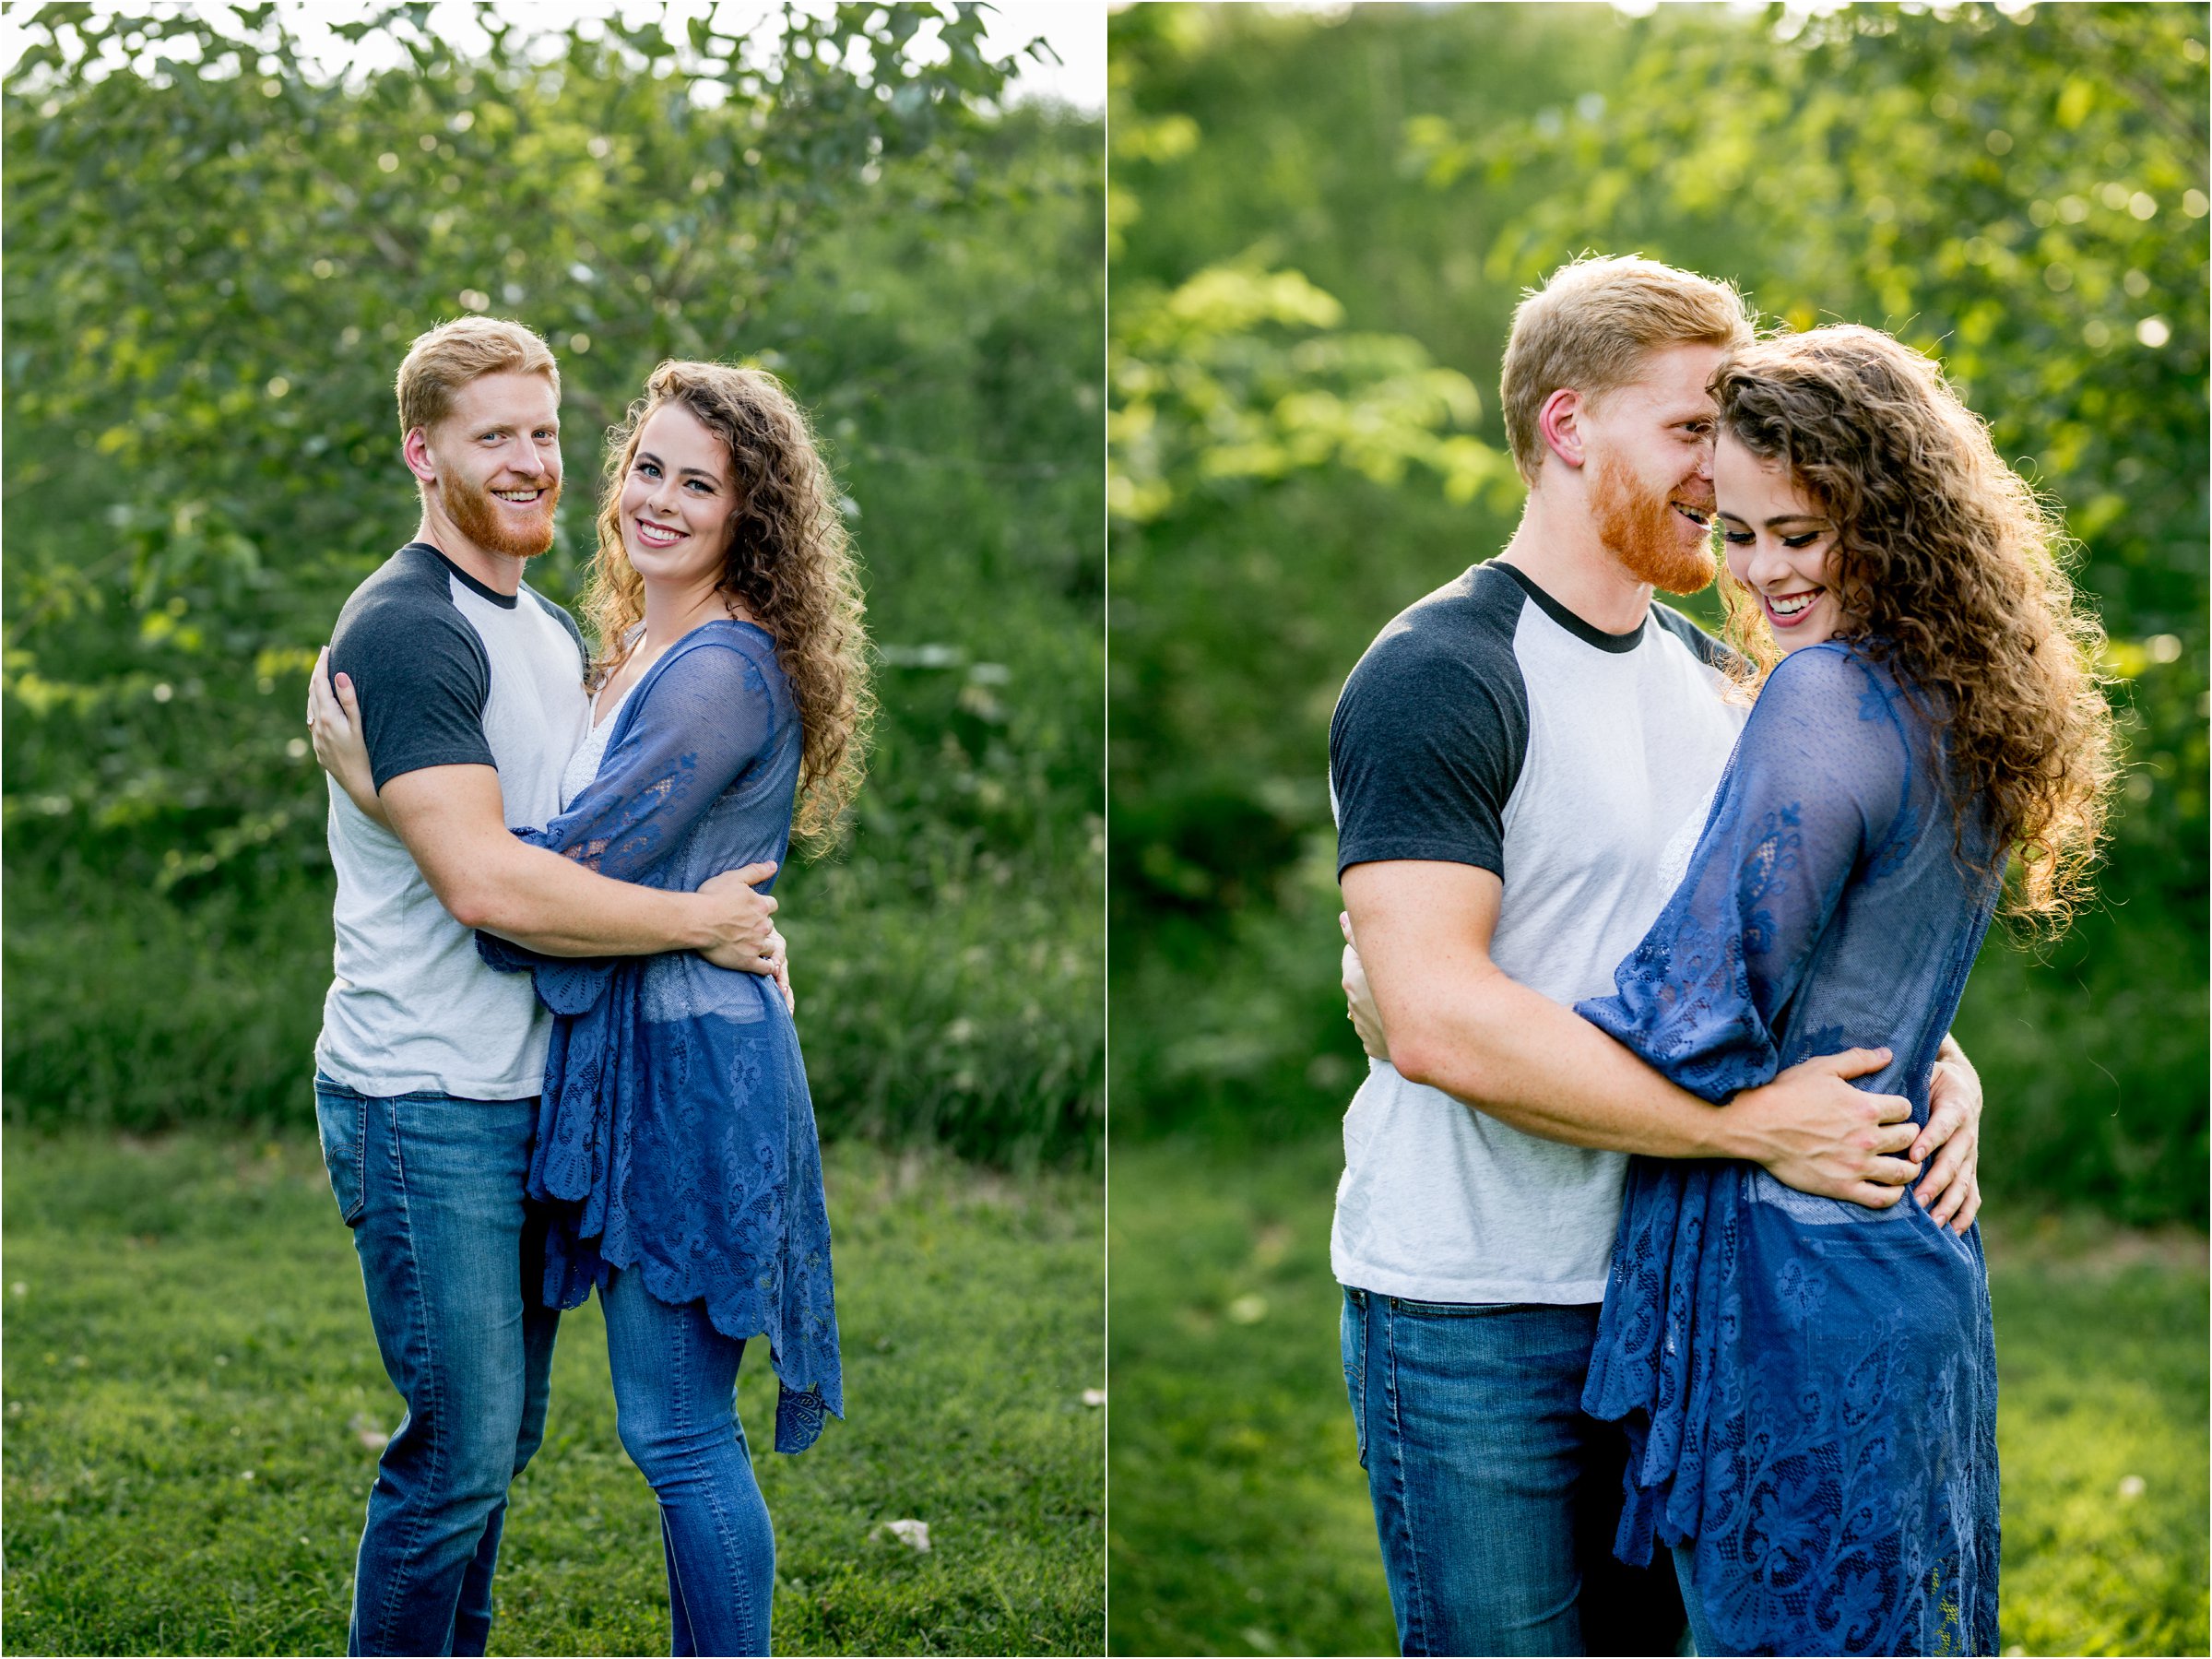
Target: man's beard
(482,519)
(1644,532)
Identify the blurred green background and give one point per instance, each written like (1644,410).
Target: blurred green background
(216,253)
(1320,221)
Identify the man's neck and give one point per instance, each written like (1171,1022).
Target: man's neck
(1558,546)
(502,572)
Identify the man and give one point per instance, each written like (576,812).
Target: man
(471,691)
(1511,760)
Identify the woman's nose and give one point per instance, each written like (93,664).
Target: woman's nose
(1766,564)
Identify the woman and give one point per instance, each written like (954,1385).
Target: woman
(676,1140)
(1809,1386)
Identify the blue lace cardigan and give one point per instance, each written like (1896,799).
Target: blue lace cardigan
(1808,1387)
(675,1134)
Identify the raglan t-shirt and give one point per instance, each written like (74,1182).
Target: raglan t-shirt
(1488,725)
(449,672)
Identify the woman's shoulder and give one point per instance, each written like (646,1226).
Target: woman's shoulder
(722,653)
(1843,699)
(1850,679)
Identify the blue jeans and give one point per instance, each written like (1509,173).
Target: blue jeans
(1706,1643)
(1496,1499)
(674,1378)
(450,1256)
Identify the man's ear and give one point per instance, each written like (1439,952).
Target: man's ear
(415,449)
(1560,422)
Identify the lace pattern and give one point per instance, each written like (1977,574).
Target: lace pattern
(1808,1387)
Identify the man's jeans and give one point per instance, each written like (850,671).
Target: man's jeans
(1496,1497)
(452,1257)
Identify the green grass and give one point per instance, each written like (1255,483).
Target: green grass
(189,1370)
(1241,1517)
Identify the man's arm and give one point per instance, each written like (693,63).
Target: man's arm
(1459,1024)
(451,820)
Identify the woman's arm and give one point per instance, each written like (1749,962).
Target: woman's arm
(1808,807)
(706,715)
(334,724)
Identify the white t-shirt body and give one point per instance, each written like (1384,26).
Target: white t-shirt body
(1487,725)
(449,672)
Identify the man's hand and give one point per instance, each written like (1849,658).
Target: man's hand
(1359,998)
(743,936)
(1951,1191)
(779,967)
(1815,1132)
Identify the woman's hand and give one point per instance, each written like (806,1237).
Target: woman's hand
(334,722)
(1360,1000)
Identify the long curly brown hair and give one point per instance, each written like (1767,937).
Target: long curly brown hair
(1950,567)
(789,562)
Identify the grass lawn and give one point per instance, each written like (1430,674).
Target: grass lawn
(190,1376)
(1241,1517)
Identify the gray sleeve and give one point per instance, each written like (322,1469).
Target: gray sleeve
(422,677)
(1713,652)
(1424,749)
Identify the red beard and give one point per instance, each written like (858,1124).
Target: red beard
(484,522)
(1644,532)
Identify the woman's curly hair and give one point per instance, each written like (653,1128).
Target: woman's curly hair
(789,562)
(1949,566)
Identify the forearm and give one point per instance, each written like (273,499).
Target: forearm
(551,905)
(1517,1056)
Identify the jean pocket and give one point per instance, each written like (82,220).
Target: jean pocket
(1400,1304)
(342,1121)
(1352,1337)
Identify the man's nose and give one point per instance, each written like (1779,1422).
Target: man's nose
(522,456)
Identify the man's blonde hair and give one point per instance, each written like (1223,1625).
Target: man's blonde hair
(1591,327)
(450,355)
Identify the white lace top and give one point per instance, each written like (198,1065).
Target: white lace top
(583,765)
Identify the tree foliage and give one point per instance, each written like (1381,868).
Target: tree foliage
(216,253)
(2020,194)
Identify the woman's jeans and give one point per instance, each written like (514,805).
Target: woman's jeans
(675,1380)
(451,1257)
(1496,1499)
(1707,1644)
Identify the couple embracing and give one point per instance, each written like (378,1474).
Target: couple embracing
(1656,1226)
(558,1052)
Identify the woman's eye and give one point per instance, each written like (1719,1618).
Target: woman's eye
(1804,541)
(1736,538)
